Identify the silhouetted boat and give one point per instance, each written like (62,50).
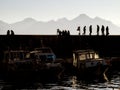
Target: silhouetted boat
(39,62)
(88,62)
(44,56)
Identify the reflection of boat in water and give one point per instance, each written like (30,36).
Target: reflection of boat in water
(41,61)
(88,62)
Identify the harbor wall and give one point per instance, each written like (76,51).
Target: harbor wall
(63,46)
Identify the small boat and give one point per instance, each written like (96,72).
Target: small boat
(44,56)
(14,58)
(39,62)
(88,62)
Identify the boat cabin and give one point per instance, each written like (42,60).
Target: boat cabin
(42,54)
(86,58)
(15,55)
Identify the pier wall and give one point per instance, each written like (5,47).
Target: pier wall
(63,46)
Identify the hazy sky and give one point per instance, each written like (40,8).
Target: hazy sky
(45,10)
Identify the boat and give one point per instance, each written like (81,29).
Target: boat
(88,63)
(40,62)
(44,56)
(15,58)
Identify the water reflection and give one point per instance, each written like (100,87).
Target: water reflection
(74,82)
(67,83)
(104,74)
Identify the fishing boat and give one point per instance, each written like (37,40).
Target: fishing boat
(44,56)
(41,62)
(88,62)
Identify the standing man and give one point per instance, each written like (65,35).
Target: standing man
(8,32)
(98,28)
(12,32)
(78,29)
(107,31)
(84,30)
(102,30)
(90,30)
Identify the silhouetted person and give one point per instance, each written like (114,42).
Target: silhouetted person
(78,29)
(68,32)
(102,30)
(84,30)
(8,32)
(98,28)
(90,30)
(60,33)
(107,31)
(58,30)
(12,32)
(65,32)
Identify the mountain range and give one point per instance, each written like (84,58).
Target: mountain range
(31,26)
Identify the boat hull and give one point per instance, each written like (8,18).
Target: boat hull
(91,73)
(26,72)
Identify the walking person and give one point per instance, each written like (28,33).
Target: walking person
(98,28)
(84,30)
(90,30)
(107,31)
(102,30)
(78,29)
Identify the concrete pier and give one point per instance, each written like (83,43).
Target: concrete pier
(63,46)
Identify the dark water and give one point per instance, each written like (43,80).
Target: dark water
(68,82)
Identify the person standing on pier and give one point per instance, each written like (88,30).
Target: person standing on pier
(102,30)
(12,32)
(98,29)
(8,32)
(84,30)
(58,30)
(78,29)
(107,31)
(90,30)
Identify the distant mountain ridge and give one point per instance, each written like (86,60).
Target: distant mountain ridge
(32,26)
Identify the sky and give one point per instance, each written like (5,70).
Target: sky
(44,10)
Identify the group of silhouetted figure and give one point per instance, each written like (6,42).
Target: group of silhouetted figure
(104,30)
(10,32)
(63,32)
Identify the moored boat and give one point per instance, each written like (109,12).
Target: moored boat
(88,63)
(39,62)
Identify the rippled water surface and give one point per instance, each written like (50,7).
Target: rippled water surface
(67,83)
